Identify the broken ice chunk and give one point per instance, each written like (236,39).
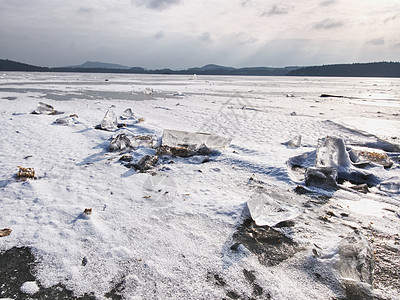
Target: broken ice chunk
(109,122)
(120,143)
(177,138)
(145,163)
(44,109)
(148,91)
(67,121)
(392,185)
(127,114)
(356,258)
(331,152)
(142,140)
(295,142)
(264,210)
(362,154)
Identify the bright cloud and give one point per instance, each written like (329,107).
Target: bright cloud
(185,33)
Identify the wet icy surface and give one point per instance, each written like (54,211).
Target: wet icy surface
(179,229)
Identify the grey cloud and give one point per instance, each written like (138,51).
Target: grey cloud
(85,10)
(375,42)
(276,10)
(328,24)
(159,35)
(390,19)
(156,4)
(327,2)
(396,46)
(243,38)
(206,37)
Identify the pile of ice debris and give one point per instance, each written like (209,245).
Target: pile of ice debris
(173,143)
(334,165)
(273,219)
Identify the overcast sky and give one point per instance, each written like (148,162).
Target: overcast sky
(179,34)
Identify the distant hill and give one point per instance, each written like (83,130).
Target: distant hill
(9,65)
(375,69)
(210,67)
(98,65)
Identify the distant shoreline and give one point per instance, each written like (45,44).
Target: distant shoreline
(374,69)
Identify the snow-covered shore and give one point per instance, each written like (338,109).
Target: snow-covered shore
(174,231)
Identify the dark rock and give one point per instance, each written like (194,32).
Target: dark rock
(126,158)
(286,223)
(146,163)
(233,295)
(358,177)
(17,267)
(322,177)
(271,246)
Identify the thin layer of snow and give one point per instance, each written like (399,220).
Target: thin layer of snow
(164,232)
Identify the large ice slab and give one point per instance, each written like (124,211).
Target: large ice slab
(193,140)
(331,152)
(265,210)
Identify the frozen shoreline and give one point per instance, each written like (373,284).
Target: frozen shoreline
(180,244)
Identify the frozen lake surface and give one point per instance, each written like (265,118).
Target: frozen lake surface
(182,229)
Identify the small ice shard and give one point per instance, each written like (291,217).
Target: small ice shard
(66,121)
(127,114)
(356,259)
(264,210)
(44,109)
(119,143)
(142,140)
(5,232)
(146,163)
(305,160)
(392,185)
(331,152)
(29,287)
(148,91)
(109,122)
(322,177)
(295,142)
